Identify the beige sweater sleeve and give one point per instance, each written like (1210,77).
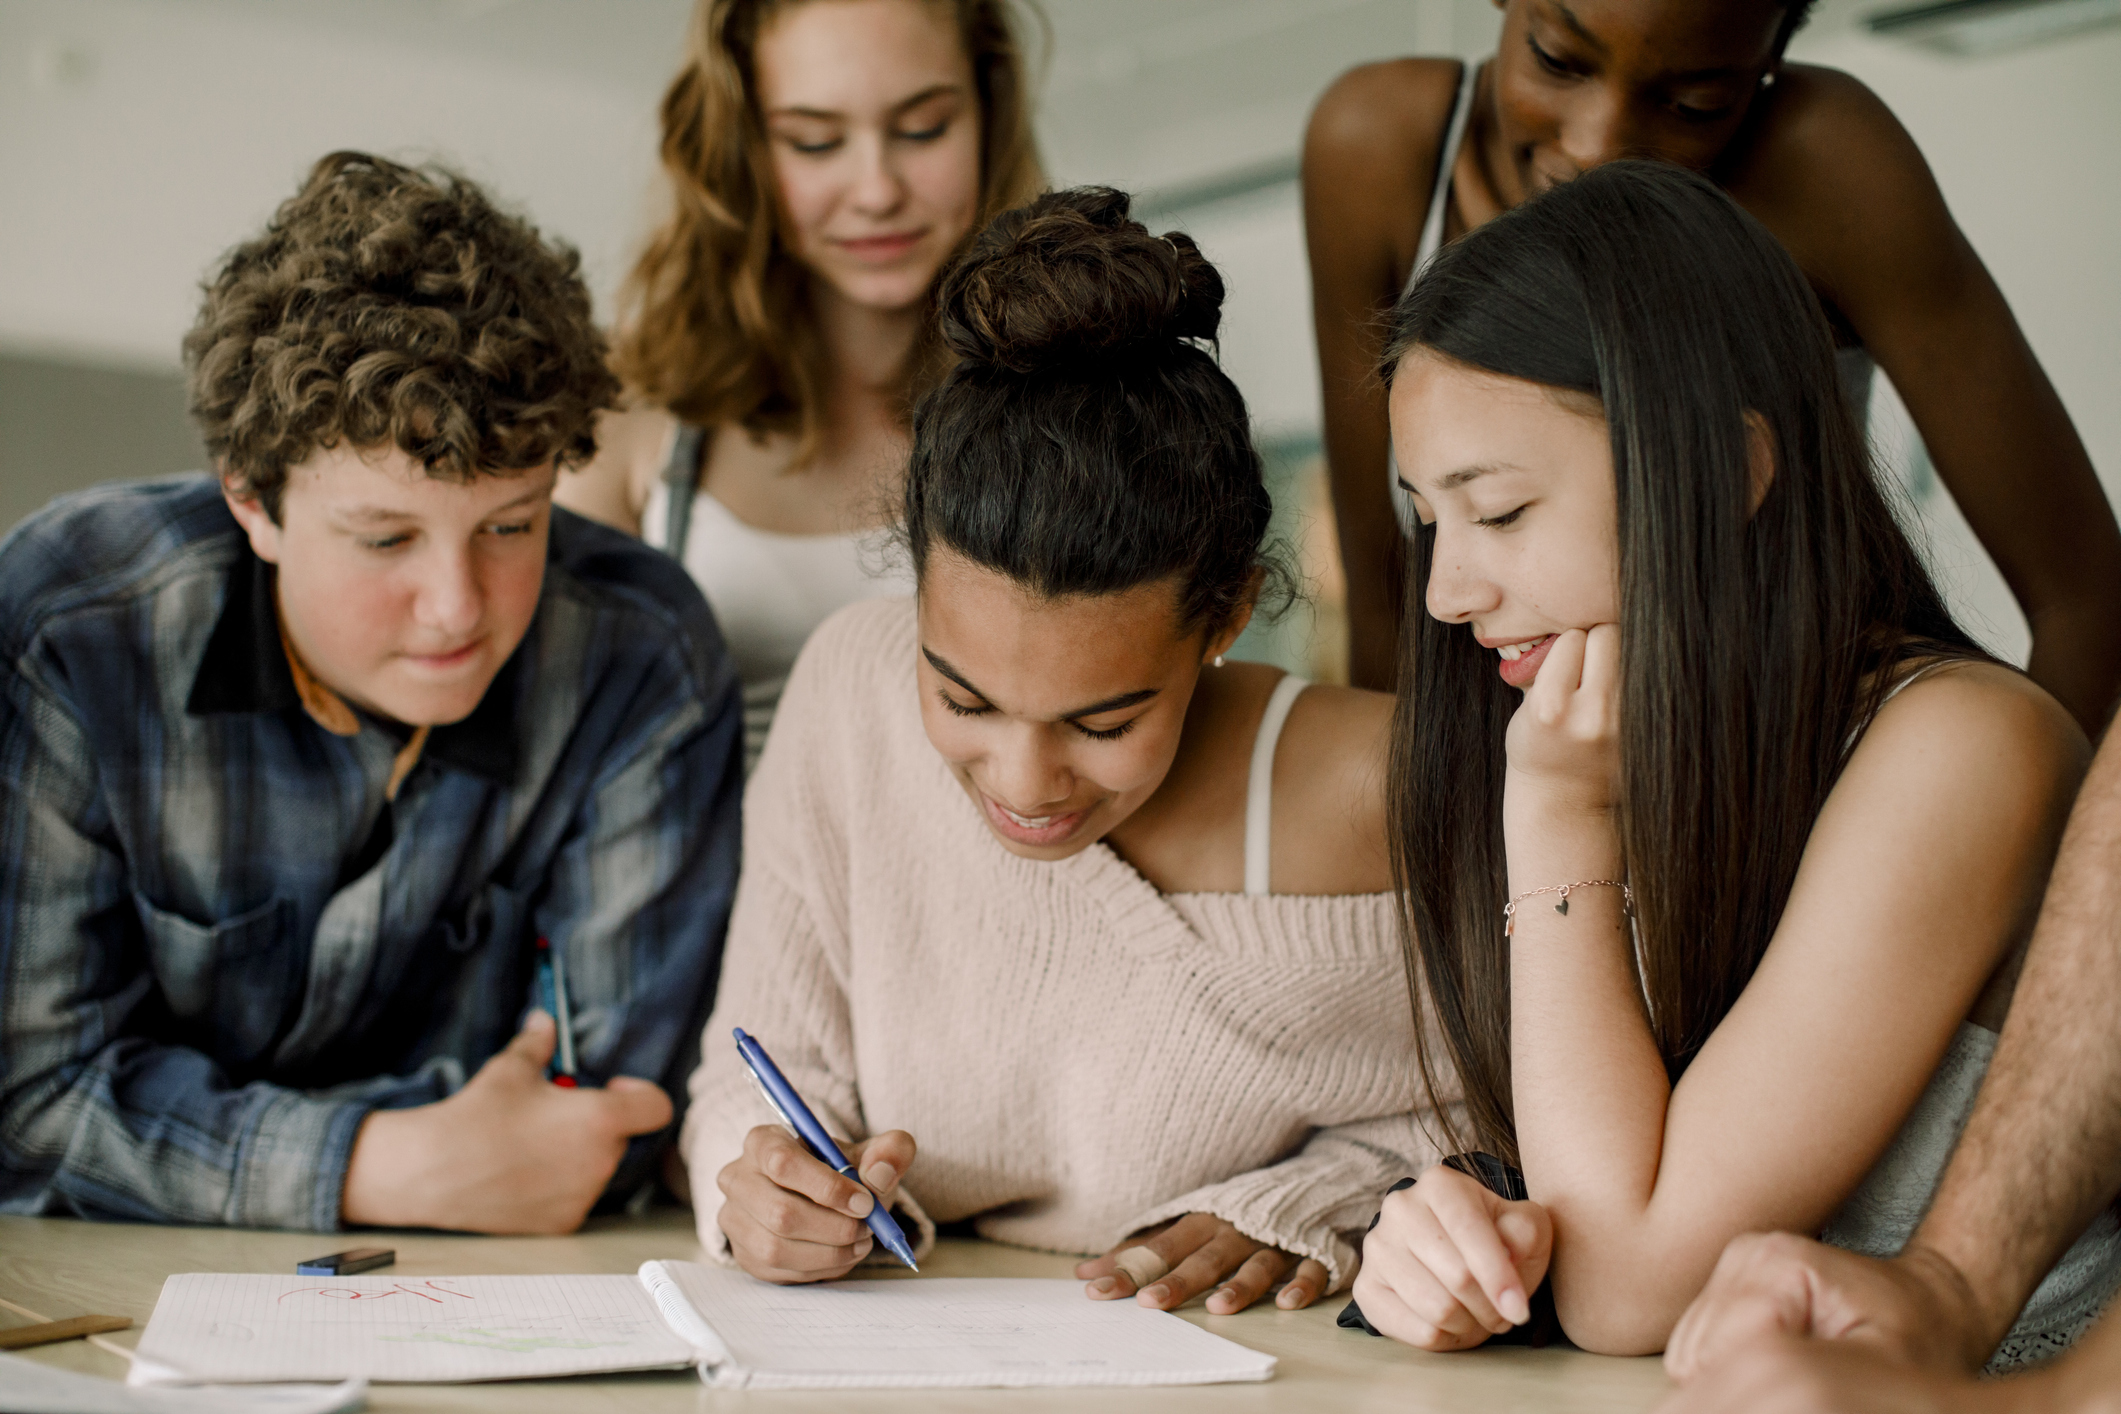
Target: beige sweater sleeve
(877,920)
(778,983)
(784,970)
(1316,1202)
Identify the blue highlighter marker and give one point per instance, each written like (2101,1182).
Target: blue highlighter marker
(796,1115)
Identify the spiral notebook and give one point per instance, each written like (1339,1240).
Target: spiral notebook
(927,1332)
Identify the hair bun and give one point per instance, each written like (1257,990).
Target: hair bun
(1071,278)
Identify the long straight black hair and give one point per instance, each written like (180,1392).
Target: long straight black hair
(1754,644)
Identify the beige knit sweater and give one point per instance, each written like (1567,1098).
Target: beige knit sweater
(1077,1055)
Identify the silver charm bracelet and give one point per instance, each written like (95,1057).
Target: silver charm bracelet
(1509,910)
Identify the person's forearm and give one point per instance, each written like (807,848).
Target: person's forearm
(2042,1150)
(2077,655)
(1371,556)
(1373,641)
(388,1181)
(2004,446)
(1365,522)
(1590,1086)
(257,1155)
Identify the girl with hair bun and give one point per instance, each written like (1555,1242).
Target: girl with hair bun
(1031,875)
(1720,840)
(824,162)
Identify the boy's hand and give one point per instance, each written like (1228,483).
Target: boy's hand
(1915,1307)
(509,1153)
(1783,1375)
(790,1219)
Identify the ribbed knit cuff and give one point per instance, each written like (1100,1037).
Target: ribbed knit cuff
(1294,1212)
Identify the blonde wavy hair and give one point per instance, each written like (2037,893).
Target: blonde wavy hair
(715,322)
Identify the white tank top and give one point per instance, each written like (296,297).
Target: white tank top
(1454,137)
(1259,786)
(768,590)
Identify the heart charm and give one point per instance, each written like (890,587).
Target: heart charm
(1562,908)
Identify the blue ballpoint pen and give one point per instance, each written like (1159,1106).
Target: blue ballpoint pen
(796,1115)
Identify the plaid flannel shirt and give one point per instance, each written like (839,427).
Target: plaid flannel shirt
(222,943)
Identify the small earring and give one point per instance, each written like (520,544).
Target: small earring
(1767,80)
(1218,660)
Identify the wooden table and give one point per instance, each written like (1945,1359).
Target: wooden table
(61,1268)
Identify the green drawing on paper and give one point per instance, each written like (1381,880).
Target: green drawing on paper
(501,1340)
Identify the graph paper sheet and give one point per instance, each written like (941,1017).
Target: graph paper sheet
(924,1332)
(932,1332)
(244,1329)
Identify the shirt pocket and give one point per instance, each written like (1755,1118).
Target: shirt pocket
(231,980)
(467,984)
(495,920)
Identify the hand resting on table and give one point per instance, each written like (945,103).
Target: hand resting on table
(509,1153)
(1198,1251)
(1450,1263)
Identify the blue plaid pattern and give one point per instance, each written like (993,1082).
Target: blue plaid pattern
(221,946)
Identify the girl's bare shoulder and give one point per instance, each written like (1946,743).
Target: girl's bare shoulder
(1371,150)
(1835,175)
(1986,722)
(1330,773)
(613,485)
(1393,107)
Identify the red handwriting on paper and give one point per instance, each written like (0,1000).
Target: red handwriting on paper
(426,1291)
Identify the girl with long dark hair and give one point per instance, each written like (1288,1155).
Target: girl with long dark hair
(1718,838)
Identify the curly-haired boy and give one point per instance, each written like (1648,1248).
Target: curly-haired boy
(302,763)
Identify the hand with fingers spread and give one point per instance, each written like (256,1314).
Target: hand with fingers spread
(509,1153)
(1450,1263)
(1563,743)
(1197,1252)
(790,1219)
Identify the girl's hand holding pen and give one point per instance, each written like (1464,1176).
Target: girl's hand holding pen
(1197,1252)
(790,1219)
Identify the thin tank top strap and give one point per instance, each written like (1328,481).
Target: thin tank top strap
(1906,680)
(1454,137)
(681,476)
(1259,785)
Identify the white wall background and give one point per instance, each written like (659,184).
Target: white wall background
(2023,146)
(140,138)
